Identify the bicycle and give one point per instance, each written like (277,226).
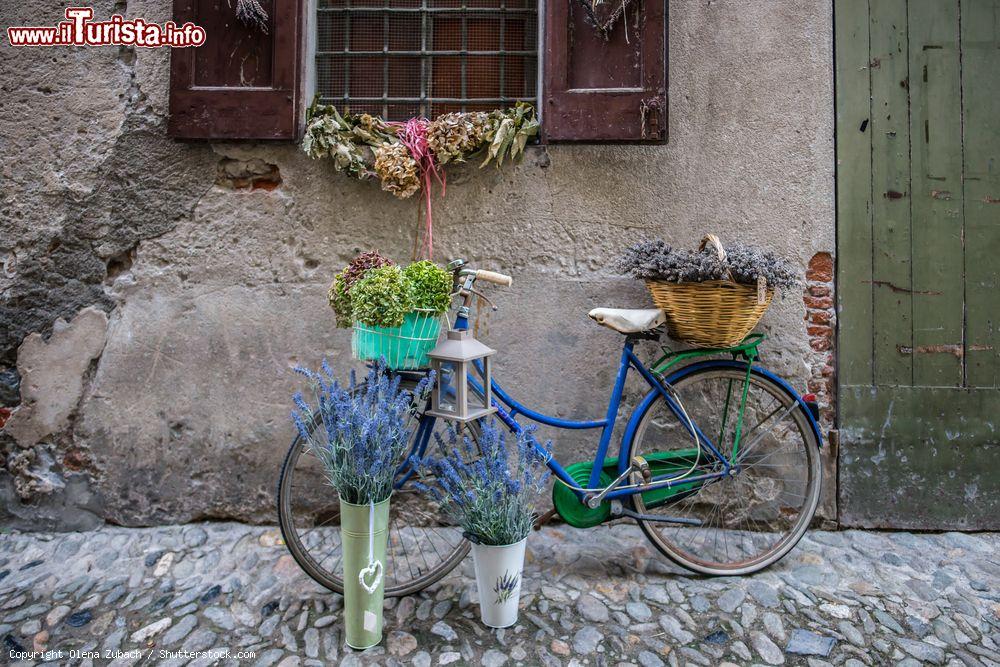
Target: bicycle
(731,505)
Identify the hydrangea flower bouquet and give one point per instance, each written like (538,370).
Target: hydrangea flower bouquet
(489,490)
(395,311)
(359,433)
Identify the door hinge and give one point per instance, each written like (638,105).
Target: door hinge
(833,437)
(649,113)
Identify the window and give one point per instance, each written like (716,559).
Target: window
(603,75)
(405,58)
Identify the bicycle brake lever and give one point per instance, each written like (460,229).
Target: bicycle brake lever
(484,298)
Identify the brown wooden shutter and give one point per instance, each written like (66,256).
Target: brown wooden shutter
(241,83)
(598,89)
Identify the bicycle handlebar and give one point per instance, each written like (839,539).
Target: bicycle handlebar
(494,277)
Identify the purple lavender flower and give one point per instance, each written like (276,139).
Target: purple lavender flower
(505,586)
(487,488)
(364,431)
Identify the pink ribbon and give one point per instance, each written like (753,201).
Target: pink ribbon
(413,135)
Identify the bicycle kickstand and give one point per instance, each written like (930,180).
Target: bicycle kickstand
(543,519)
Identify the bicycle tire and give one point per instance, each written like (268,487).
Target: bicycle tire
(814,486)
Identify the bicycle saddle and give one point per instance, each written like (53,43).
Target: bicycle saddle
(628,321)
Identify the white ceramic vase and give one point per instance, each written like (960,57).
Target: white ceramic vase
(498,576)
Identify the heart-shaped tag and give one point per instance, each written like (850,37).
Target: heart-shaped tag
(374,571)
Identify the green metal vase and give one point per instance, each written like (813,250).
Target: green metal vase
(363,608)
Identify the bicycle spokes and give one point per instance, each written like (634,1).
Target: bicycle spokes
(757,508)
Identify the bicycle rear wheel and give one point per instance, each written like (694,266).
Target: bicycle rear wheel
(754,517)
(422,548)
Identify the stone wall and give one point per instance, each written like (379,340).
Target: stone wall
(156,293)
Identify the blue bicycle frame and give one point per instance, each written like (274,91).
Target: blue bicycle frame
(509,409)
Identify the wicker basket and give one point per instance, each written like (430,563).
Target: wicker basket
(714,313)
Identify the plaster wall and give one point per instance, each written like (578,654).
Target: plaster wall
(213,292)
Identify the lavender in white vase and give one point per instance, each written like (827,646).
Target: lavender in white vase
(490,491)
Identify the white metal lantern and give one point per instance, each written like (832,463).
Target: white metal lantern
(454,361)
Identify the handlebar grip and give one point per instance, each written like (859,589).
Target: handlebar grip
(494,277)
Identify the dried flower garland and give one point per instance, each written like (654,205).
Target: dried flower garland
(252,14)
(349,140)
(407,157)
(398,171)
(355,141)
(453,136)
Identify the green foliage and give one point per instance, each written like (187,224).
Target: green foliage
(381,298)
(374,291)
(340,300)
(339,294)
(430,286)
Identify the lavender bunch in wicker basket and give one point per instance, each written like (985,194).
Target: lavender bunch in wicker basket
(360,433)
(749,262)
(483,486)
(657,260)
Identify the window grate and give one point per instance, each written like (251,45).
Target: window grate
(405,58)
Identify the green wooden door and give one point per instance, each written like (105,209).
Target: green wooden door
(918,254)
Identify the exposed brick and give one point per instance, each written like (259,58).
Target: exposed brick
(820,267)
(822,302)
(819,316)
(819,344)
(252,174)
(818,299)
(265,184)
(820,290)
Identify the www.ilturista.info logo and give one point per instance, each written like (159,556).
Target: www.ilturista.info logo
(79,30)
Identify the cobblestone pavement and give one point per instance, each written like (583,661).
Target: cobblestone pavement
(600,597)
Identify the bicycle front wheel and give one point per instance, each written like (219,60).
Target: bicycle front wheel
(754,517)
(423,546)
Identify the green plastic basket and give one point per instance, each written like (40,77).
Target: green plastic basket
(404,347)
